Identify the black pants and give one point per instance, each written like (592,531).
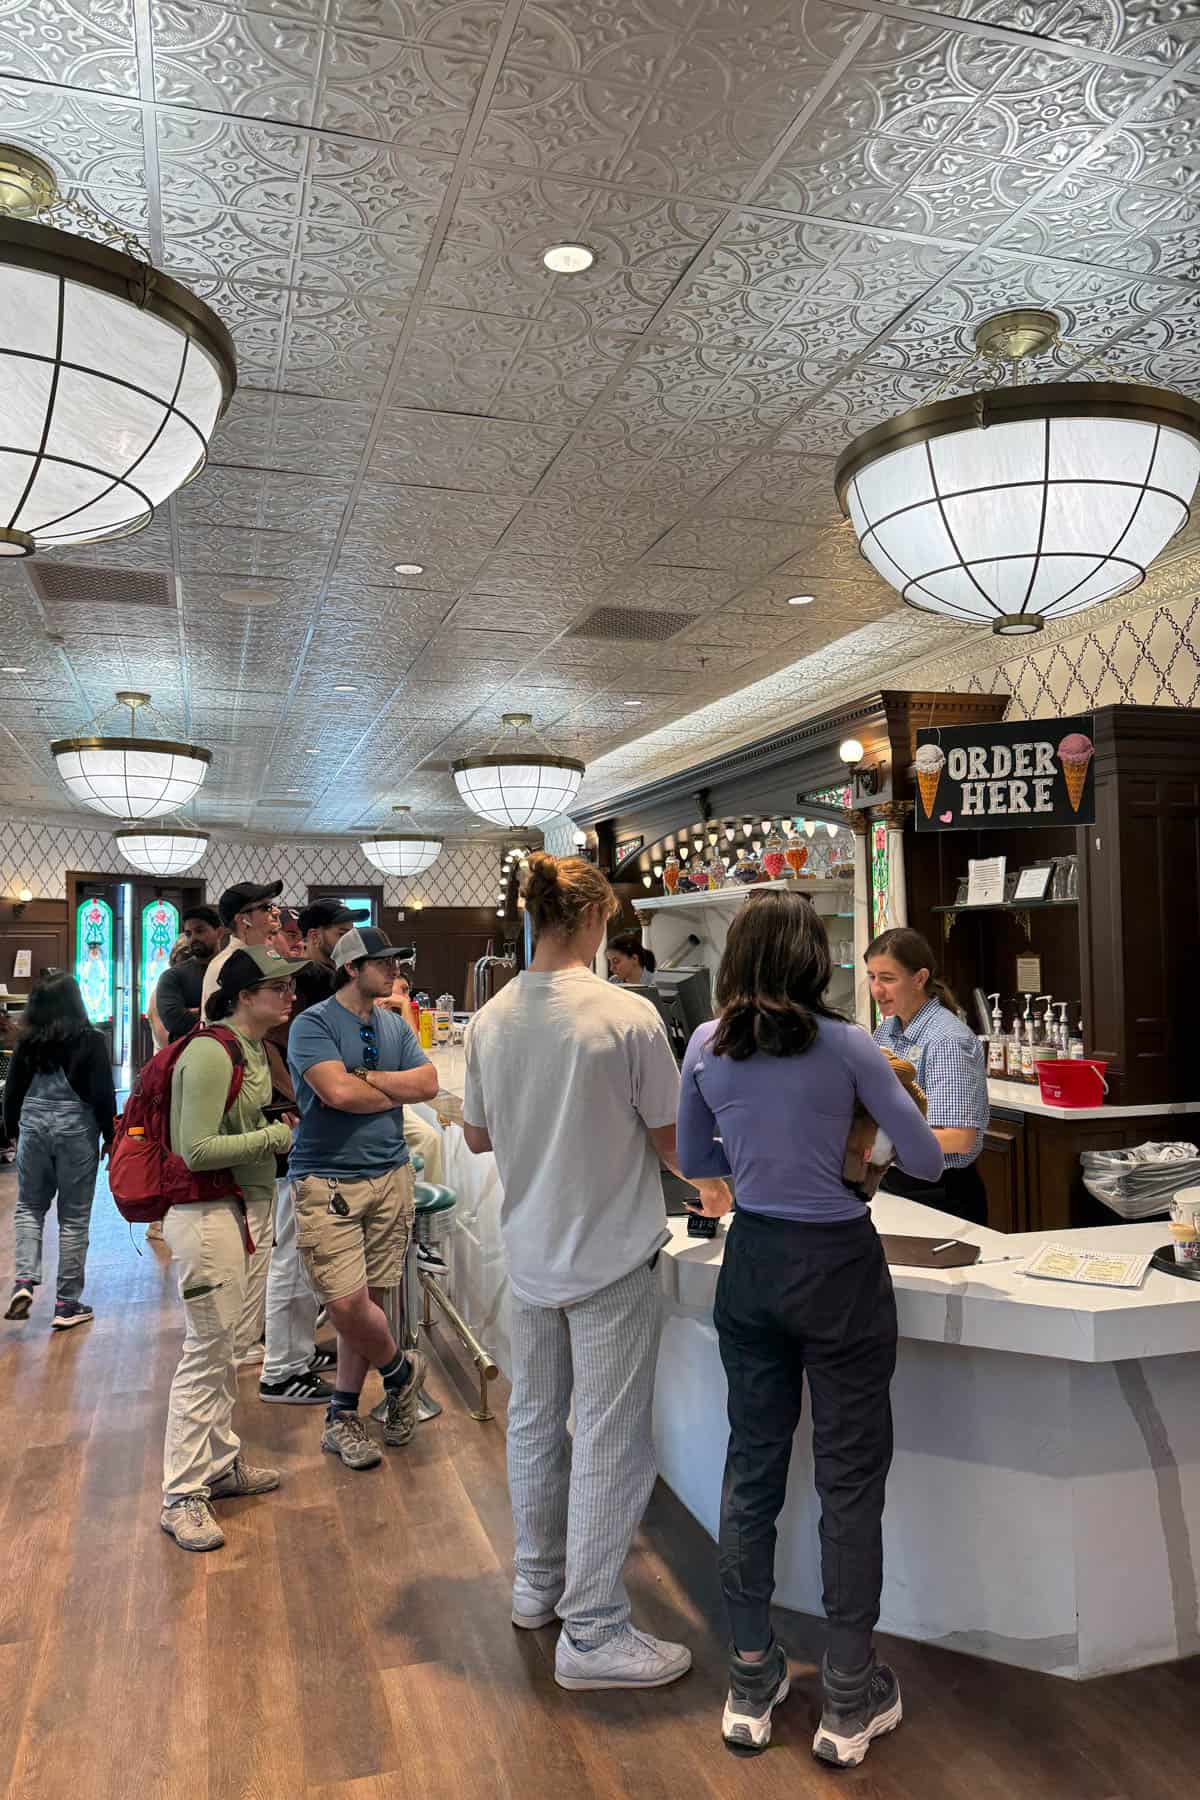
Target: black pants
(794,1298)
(960,1191)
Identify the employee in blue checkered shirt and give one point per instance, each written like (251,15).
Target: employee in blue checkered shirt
(920,1021)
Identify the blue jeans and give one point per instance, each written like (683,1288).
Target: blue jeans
(54,1157)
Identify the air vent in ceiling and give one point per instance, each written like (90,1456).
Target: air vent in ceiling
(74,584)
(627,625)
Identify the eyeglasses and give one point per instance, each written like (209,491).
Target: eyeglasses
(370,1044)
(282,988)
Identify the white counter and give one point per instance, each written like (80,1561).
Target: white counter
(1044,1502)
(1016,1096)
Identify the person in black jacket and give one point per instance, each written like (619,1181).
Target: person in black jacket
(177,995)
(59,1102)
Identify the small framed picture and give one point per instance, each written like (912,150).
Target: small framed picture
(1033,882)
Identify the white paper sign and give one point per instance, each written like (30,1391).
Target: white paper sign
(23,965)
(985,886)
(1032,884)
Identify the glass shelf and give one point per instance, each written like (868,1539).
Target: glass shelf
(1011,906)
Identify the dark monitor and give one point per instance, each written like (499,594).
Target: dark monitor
(684,999)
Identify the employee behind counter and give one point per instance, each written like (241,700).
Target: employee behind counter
(922,1022)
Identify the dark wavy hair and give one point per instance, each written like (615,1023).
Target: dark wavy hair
(772,979)
(55,1018)
(913,952)
(629,943)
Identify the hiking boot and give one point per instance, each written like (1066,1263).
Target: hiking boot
(755,1690)
(242,1478)
(628,1659)
(191,1523)
(346,1436)
(22,1300)
(69,1313)
(534,1607)
(305,1389)
(856,1709)
(400,1419)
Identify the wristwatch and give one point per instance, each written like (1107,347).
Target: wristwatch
(362,1075)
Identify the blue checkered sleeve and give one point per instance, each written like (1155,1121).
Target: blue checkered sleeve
(954,1076)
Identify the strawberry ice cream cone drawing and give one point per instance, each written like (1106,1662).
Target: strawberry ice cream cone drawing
(928,764)
(1075,753)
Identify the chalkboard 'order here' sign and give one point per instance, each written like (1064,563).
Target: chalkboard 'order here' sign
(1038,772)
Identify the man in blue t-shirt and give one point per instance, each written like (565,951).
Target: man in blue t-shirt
(353,1066)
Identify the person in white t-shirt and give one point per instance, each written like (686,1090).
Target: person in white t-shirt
(573,1084)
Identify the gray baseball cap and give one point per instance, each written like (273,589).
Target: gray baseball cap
(367,944)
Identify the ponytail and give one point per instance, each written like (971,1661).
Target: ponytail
(912,952)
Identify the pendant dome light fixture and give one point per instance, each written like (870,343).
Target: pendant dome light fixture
(130,778)
(113,374)
(162,851)
(520,788)
(1014,505)
(402,854)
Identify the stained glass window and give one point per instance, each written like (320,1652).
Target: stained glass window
(881,877)
(160,928)
(94,958)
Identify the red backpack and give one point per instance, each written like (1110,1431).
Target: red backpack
(145,1176)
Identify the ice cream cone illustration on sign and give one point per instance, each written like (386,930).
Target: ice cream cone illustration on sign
(928,763)
(1075,753)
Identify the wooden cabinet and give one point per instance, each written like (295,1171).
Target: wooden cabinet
(1002,1166)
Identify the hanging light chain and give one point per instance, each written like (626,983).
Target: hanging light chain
(108,228)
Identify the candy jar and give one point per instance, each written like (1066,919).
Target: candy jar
(671,874)
(747,870)
(716,874)
(773,856)
(795,853)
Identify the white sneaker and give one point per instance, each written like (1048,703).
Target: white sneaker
(532,1608)
(630,1659)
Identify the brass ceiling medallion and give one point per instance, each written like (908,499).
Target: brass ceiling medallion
(114,374)
(1010,506)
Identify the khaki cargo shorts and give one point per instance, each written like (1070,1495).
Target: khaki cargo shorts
(364,1246)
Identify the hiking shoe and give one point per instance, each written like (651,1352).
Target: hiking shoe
(322,1359)
(534,1607)
(305,1389)
(22,1300)
(242,1477)
(68,1313)
(755,1690)
(400,1419)
(856,1709)
(191,1523)
(430,1259)
(346,1436)
(628,1659)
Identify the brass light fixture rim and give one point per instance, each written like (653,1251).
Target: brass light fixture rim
(27,244)
(159,831)
(1015,405)
(519,759)
(63,746)
(402,837)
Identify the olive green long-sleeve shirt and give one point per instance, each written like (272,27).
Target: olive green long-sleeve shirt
(208,1137)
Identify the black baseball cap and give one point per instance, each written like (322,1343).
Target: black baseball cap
(249,968)
(242,897)
(318,915)
(369,945)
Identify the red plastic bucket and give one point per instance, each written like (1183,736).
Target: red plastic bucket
(1072,1083)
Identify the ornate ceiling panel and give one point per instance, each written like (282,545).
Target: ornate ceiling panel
(800,209)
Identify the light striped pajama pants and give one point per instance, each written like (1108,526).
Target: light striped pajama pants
(577,1505)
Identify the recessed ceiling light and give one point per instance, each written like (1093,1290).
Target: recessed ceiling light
(312,750)
(12,669)
(633,703)
(250,596)
(801,599)
(568,259)
(344,687)
(408,568)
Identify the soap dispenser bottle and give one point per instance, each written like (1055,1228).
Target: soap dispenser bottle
(996,1043)
(1075,1042)
(1028,1072)
(1012,1050)
(1061,1035)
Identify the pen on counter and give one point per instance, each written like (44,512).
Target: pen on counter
(938,1248)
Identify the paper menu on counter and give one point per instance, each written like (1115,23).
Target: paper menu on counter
(985,885)
(1101,1268)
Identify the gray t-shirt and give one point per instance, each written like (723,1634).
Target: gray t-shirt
(566,1072)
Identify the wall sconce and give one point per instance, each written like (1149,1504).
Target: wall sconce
(646,881)
(730,833)
(21,902)
(863,782)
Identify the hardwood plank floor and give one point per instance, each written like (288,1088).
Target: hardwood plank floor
(352,1640)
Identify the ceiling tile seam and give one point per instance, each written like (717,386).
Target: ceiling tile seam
(1004,34)
(450,197)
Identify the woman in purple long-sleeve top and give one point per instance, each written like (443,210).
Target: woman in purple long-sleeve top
(768,1095)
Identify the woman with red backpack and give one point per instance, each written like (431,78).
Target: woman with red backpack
(219,1088)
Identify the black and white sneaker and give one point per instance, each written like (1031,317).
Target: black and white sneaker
(856,1708)
(22,1300)
(322,1359)
(755,1690)
(431,1260)
(69,1313)
(305,1389)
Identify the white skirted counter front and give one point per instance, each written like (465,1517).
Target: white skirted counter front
(1044,1502)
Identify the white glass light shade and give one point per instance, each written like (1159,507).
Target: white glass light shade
(130,778)
(520,790)
(112,385)
(1025,504)
(403,855)
(163,852)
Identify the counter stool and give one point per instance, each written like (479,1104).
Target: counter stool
(433,1221)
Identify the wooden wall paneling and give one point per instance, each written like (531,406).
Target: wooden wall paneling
(448,940)
(40,926)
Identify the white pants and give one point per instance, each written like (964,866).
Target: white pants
(208,1247)
(251,1325)
(291,1310)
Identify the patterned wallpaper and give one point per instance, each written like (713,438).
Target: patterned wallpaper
(37,853)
